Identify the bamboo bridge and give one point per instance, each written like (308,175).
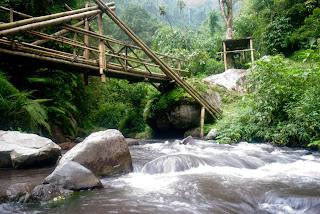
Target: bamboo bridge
(77,47)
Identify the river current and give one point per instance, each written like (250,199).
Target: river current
(206,177)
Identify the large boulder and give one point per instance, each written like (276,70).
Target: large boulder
(232,79)
(105,153)
(20,150)
(73,176)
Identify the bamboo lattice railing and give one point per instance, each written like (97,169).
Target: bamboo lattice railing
(108,58)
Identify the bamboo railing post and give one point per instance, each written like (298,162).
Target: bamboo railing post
(11,15)
(203,110)
(74,47)
(86,43)
(126,61)
(102,52)
(179,67)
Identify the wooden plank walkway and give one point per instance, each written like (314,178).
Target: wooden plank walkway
(84,50)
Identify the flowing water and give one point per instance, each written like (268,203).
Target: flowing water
(170,177)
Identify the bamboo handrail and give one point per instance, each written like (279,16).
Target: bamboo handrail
(95,49)
(98,36)
(45,18)
(39,25)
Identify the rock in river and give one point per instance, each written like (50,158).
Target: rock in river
(20,150)
(105,153)
(19,192)
(45,192)
(73,176)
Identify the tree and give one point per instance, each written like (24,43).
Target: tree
(163,12)
(226,11)
(181,6)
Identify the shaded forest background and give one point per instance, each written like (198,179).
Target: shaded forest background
(49,102)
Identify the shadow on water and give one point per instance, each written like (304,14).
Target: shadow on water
(204,177)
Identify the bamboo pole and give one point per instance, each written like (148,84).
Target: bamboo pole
(251,47)
(11,16)
(74,51)
(163,66)
(102,52)
(86,43)
(64,31)
(16,12)
(39,25)
(45,18)
(225,56)
(203,110)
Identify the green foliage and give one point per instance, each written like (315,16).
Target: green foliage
(18,110)
(278,34)
(278,26)
(306,36)
(134,16)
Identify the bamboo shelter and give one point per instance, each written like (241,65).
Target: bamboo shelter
(240,45)
(88,51)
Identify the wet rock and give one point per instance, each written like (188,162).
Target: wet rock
(132,142)
(105,153)
(188,140)
(195,132)
(19,192)
(73,176)
(20,150)
(173,163)
(212,134)
(78,140)
(67,145)
(3,197)
(232,79)
(57,134)
(45,192)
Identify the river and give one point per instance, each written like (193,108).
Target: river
(206,177)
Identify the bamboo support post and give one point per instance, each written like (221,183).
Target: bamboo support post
(102,53)
(225,56)
(251,47)
(203,110)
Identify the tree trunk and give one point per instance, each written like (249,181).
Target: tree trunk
(229,32)
(226,11)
